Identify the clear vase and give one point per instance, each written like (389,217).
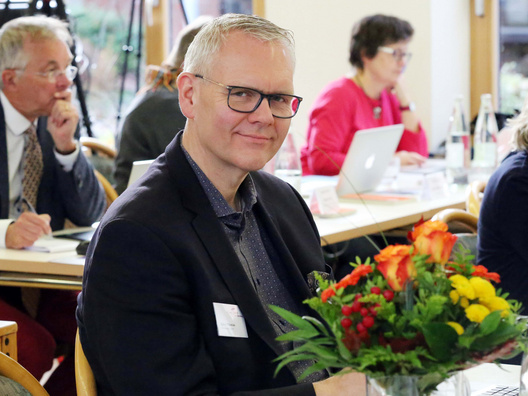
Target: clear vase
(408,385)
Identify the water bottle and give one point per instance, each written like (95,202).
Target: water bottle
(288,163)
(485,139)
(458,145)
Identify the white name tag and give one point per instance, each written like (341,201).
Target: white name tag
(229,321)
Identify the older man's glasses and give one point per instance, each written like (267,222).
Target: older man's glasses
(52,75)
(397,54)
(247,100)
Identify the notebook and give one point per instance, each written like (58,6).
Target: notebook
(138,169)
(367,159)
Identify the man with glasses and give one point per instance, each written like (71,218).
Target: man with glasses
(181,272)
(44,177)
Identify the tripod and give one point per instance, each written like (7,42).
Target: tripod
(127,49)
(60,11)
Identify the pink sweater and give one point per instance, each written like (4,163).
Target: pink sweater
(340,110)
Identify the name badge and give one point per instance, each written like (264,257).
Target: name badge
(230,321)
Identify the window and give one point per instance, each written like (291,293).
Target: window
(513,58)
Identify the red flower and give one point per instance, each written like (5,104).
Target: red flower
(349,280)
(480,270)
(396,265)
(432,238)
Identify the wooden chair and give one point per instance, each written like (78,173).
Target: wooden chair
(474,196)
(11,369)
(458,220)
(464,225)
(96,146)
(84,379)
(110,192)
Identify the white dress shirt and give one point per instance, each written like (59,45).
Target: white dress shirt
(16,125)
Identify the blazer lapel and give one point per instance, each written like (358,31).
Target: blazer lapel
(213,237)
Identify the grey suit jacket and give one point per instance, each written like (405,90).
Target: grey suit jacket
(76,195)
(156,265)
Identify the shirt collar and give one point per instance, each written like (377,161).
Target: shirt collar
(247,191)
(15,121)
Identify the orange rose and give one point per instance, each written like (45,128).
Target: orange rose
(396,265)
(432,238)
(480,270)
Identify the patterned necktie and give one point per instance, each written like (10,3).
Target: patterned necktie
(32,166)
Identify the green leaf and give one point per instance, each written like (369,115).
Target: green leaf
(441,338)
(490,323)
(298,335)
(295,320)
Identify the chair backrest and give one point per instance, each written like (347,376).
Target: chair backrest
(110,192)
(464,225)
(458,220)
(84,379)
(11,369)
(101,155)
(475,193)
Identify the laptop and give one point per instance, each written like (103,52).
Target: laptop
(367,159)
(138,169)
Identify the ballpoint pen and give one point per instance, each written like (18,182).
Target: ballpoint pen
(29,206)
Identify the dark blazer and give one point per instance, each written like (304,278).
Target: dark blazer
(153,120)
(76,195)
(158,261)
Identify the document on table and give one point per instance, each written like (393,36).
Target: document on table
(49,244)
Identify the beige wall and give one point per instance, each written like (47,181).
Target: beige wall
(438,71)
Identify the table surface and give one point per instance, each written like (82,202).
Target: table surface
(373,217)
(489,374)
(65,270)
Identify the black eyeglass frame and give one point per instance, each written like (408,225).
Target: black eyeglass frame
(262,96)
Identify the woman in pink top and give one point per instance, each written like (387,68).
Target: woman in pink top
(373,97)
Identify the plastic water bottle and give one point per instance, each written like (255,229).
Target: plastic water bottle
(458,145)
(485,139)
(288,163)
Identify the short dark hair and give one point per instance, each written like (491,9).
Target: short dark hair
(374,31)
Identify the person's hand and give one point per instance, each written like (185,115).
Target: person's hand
(410,158)
(350,383)
(401,92)
(27,229)
(62,122)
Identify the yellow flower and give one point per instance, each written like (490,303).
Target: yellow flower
(497,304)
(462,286)
(464,302)
(477,312)
(454,296)
(458,328)
(482,287)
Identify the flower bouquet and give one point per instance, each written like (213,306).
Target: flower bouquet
(412,312)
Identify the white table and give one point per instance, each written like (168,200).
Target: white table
(373,217)
(34,269)
(489,374)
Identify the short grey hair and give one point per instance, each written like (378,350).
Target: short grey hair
(36,28)
(519,126)
(210,39)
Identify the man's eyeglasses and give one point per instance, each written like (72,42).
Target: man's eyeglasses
(247,100)
(70,72)
(397,54)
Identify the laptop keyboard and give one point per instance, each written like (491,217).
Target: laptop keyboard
(499,390)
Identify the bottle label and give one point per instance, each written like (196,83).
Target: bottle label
(486,154)
(455,155)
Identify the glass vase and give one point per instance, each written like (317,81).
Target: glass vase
(409,385)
